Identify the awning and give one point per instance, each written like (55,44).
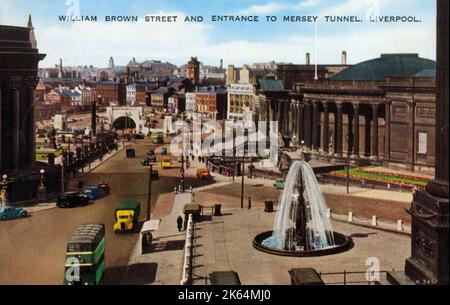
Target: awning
(151,225)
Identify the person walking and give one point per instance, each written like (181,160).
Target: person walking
(179,223)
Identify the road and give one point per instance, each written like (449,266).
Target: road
(32,250)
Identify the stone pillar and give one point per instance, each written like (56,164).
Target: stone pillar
(15,123)
(387,131)
(355,131)
(307,125)
(430,229)
(315,126)
(326,129)
(30,125)
(338,140)
(301,123)
(374,154)
(367,134)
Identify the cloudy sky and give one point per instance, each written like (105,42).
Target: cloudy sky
(85,43)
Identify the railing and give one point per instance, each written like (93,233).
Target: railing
(371,277)
(188,253)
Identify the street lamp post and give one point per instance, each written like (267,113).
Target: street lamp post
(149,197)
(348,173)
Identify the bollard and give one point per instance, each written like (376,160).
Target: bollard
(190,189)
(329,213)
(374,221)
(399,225)
(350,216)
(175,190)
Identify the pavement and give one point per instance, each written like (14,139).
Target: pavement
(163,265)
(225,243)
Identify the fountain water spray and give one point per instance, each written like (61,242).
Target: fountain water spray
(301,222)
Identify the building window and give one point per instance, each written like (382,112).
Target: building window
(422,147)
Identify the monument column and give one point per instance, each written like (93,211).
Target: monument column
(326,129)
(429,261)
(315,126)
(338,140)
(355,131)
(374,132)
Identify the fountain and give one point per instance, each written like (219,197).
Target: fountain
(301,226)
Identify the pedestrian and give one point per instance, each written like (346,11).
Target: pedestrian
(80,185)
(179,223)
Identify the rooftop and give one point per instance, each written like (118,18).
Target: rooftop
(386,65)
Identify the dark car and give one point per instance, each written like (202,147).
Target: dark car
(138,136)
(131,153)
(71,199)
(151,152)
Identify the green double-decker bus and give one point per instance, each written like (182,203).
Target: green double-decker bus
(85,255)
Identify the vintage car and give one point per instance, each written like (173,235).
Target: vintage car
(10,212)
(71,199)
(279,184)
(164,151)
(203,173)
(94,192)
(105,187)
(151,152)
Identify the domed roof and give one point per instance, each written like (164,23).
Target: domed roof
(385,66)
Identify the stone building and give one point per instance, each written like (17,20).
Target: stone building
(19,58)
(379,111)
(212,102)
(193,70)
(112,92)
(241,97)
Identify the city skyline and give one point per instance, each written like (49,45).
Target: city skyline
(89,43)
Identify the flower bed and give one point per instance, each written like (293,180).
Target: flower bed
(391,178)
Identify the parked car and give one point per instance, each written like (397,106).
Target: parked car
(71,199)
(145,161)
(151,152)
(93,192)
(138,136)
(131,153)
(279,184)
(164,151)
(10,212)
(105,187)
(203,173)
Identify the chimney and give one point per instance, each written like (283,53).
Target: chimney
(221,64)
(344,58)
(308,58)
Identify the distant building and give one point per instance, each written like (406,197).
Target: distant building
(137,93)
(193,70)
(211,102)
(241,97)
(190,102)
(380,111)
(160,99)
(112,92)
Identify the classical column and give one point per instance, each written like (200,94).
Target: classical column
(374,132)
(387,131)
(355,130)
(308,117)
(367,134)
(300,123)
(30,125)
(338,140)
(326,129)
(15,123)
(315,126)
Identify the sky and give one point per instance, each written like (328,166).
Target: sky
(87,43)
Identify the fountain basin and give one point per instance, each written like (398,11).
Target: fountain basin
(342,244)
